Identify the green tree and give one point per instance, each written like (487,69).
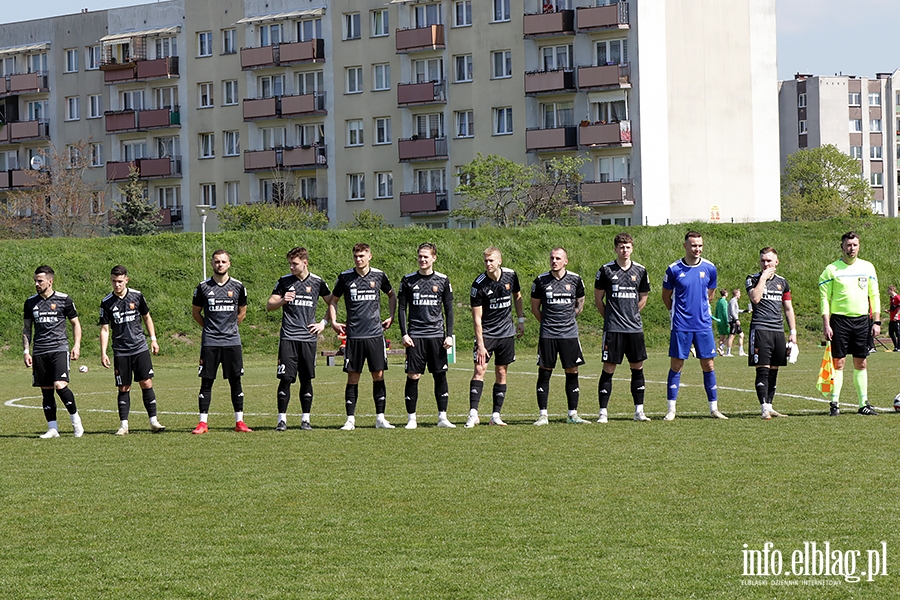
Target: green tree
(822,183)
(133,215)
(365,219)
(261,216)
(508,194)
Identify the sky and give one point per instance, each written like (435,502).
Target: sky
(820,37)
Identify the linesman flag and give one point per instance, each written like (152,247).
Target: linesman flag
(825,381)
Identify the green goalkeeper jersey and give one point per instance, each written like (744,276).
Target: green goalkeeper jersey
(849,289)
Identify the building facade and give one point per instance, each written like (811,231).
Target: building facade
(366,104)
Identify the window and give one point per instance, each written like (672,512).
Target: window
(204,43)
(801,127)
(875,152)
(72,60)
(166,46)
(306,186)
(310,82)
(132,100)
(354,80)
(229,41)
(501,10)
(270,86)
(207,145)
(557,114)
(9,160)
(430,125)
(230,92)
(428,70)
(611,111)
(93,58)
(381,77)
(208,194)
(166,97)
(854,99)
(232,143)
(503,121)
(351,26)
(801,100)
(876,179)
(382,130)
(855,125)
(169,197)
(463,68)
(273,190)
(72,108)
(874,98)
(273,137)
(612,52)
(875,125)
(96,149)
(231,193)
(380,27)
(206,95)
(134,150)
(556,57)
(309,29)
(429,180)
(37,110)
(168,146)
(465,124)
(427,15)
(73,157)
(97,203)
(95,106)
(502,64)
(384,185)
(36,63)
(311,134)
(355,132)
(270,35)
(356,184)
(856,152)
(462,13)
(613,168)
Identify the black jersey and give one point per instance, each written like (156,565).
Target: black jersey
(622,288)
(299,314)
(48,317)
(123,315)
(429,298)
(220,304)
(767,314)
(495,299)
(362,297)
(558,300)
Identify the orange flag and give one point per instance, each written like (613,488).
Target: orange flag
(825,381)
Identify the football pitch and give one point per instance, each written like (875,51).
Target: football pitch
(680,509)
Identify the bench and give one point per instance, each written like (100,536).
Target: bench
(331,355)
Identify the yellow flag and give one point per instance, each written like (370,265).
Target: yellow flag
(825,381)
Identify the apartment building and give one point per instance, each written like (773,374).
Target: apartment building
(858,115)
(372,104)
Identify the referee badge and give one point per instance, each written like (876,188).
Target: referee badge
(862,281)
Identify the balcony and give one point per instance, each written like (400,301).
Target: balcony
(260,108)
(431,92)
(607,193)
(20,131)
(592,18)
(170,217)
(18,178)
(148,168)
(4,180)
(604,77)
(605,135)
(142,120)
(291,158)
(557,138)
(260,160)
(283,54)
(543,82)
(302,105)
(430,37)
(4,134)
(25,83)
(549,24)
(417,149)
(423,203)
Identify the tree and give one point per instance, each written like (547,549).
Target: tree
(365,219)
(264,215)
(821,183)
(508,194)
(59,202)
(133,215)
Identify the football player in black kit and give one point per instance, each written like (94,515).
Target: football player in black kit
(361,288)
(46,312)
(492,296)
(298,293)
(121,313)
(427,295)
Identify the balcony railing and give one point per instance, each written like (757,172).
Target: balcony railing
(140,69)
(600,135)
(607,193)
(540,82)
(415,149)
(291,158)
(142,120)
(549,23)
(4,180)
(557,138)
(604,76)
(284,106)
(430,37)
(24,83)
(4,134)
(613,16)
(18,178)
(170,217)
(418,203)
(285,53)
(28,130)
(319,204)
(148,168)
(430,92)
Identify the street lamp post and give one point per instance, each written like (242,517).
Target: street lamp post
(203,211)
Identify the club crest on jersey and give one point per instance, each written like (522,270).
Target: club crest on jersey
(507,286)
(568,287)
(702,275)
(52,307)
(131,305)
(634,277)
(778,287)
(308,289)
(371,284)
(862,282)
(434,288)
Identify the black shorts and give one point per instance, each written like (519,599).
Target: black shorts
(230,357)
(568,349)
(362,350)
(46,369)
(504,348)
(296,359)
(767,348)
(136,367)
(735,328)
(617,346)
(428,352)
(851,336)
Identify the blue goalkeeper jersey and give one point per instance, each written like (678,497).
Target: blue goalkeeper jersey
(690,287)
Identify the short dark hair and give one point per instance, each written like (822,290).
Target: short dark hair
(850,235)
(623,238)
(723,292)
(768,249)
(361,247)
(221,251)
(692,234)
(44,270)
(429,246)
(118,271)
(298,252)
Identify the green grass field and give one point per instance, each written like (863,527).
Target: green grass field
(623,510)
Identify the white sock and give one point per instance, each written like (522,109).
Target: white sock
(713,405)
(604,412)
(351,419)
(495,416)
(767,407)
(305,417)
(238,415)
(379,417)
(204,417)
(282,417)
(543,412)
(52,425)
(76,419)
(412,416)
(154,420)
(442,415)
(124,423)
(473,412)
(671,404)
(638,409)
(573,413)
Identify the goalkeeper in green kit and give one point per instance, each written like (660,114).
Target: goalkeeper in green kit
(848,292)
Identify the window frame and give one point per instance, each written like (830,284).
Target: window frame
(230,88)
(380,20)
(466,13)
(355,133)
(507,120)
(385,84)
(205,97)
(356,184)
(204,44)
(229,41)
(207,146)
(465,118)
(73,108)
(353,84)
(501,11)
(468,64)
(71,60)
(383,133)
(352,26)
(505,57)
(231,142)
(384,179)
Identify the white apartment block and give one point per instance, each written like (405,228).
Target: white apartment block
(375,104)
(859,115)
